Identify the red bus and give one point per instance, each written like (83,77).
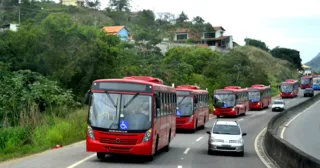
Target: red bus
(305,82)
(230,101)
(134,115)
(193,107)
(289,88)
(259,96)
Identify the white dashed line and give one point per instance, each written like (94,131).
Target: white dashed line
(186,151)
(81,161)
(179,166)
(199,139)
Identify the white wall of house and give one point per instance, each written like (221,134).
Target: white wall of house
(230,42)
(12,27)
(219,33)
(71,2)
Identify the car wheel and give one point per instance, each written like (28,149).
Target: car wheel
(210,152)
(241,154)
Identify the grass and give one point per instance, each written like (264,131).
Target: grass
(18,142)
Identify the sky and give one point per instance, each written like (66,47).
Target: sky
(291,24)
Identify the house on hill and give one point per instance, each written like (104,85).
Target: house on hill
(120,31)
(72,2)
(215,39)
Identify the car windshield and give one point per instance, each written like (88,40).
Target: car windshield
(184,106)
(254,96)
(120,111)
(286,88)
(305,81)
(278,102)
(316,81)
(224,100)
(226,129)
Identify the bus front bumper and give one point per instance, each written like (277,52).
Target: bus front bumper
(138,149)
(255,105)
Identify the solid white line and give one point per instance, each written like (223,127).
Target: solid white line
(179,166)
(257,151)
(186,151)
(199,139)
(284,128)
(81,161)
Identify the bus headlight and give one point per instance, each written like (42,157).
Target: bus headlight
(191,118)
(147,135)
(90,132)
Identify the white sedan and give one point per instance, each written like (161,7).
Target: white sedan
(278,105)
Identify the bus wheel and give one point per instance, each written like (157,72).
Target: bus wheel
(168,146)
(101,156)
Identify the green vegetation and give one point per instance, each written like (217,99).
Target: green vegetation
(50,62)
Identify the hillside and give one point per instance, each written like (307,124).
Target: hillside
(315,63)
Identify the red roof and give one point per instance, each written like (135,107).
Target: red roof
(218,27)
(113,29)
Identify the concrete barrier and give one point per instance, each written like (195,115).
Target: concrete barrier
(282,152)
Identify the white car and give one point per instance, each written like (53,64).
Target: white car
(226,136)
(278,105)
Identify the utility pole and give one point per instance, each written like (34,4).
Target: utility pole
(19,11)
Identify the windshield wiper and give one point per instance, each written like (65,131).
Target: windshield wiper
(114,104)
(181,100)
(126,105)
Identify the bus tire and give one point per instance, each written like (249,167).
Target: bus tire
(169,139)
(101,156)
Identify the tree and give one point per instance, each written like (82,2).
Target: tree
(120,5)
(256,43)
(291,55)
(198,20)
(182,17)
(93,4)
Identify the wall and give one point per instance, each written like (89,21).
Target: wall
(124,34)
(218,33)
(230,42)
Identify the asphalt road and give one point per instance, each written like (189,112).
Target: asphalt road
(186,150)
(304,131)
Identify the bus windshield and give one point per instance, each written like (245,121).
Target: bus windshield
(184,106)
(286,88)
(224,100)
(120,111)
(305,81)
(316,81)
(254,96)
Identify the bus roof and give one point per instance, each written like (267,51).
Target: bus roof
(148,80)
(290,81)
(191,88)
(232,89)
(306,76)
(256,87)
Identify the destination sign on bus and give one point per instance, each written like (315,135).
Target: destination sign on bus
(122,86)
(183,93)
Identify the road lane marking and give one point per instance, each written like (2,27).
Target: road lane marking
(284,128)
(179,166)
(240,119)
(257,150)
(186,151)
(81,161)
(199,139)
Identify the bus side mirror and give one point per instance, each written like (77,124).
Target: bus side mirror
(157,102)
(86,97)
